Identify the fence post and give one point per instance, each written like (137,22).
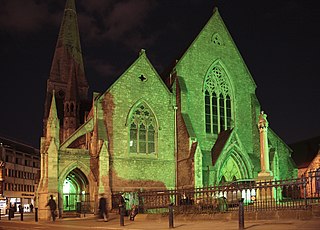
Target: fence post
(241,214)
(304,180)
(171,215)
(36,215)
(122,215)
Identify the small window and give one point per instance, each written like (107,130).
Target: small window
(216,39)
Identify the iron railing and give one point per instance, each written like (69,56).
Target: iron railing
(297,193)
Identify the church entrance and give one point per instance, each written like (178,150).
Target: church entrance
(75,192)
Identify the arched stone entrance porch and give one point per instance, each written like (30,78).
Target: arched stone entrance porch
(75,192)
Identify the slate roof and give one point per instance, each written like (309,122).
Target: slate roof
(219,145)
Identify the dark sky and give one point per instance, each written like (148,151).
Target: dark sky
(279,41)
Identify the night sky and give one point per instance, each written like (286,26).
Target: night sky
(279,41)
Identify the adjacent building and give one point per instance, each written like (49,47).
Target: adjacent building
(306,155)
(200,126)
(20,165)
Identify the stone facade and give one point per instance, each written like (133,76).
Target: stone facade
(143,134)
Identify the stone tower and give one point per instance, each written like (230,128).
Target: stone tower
(65,106)
(67,76)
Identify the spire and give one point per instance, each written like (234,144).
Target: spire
(67,76)
(68,52)
(72,92)
(53,109)
(53,127)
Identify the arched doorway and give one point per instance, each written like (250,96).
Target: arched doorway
(75,192)
(233,166)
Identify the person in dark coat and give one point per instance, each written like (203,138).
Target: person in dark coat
(53,206)
(103,209)
(20,208)
(122,203)
(31,207)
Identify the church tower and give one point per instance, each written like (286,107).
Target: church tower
(67,76)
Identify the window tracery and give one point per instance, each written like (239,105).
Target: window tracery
(218,112)
(143,130)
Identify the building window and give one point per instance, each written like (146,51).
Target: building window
(143,130)
(216,39)
(217,99)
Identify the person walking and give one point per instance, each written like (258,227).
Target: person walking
(103,209)
(53,206)
(133,212)
(31,207)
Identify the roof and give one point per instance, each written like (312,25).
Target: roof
(219,145)
(18,146)
(305,151)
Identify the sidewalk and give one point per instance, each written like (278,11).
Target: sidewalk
(143,222)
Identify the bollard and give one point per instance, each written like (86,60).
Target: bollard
(12,212)
(171,215)
(36,215)
(241,214)
(9,215)
(122,215)
(21,216)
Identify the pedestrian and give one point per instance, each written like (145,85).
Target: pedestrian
(31,207)
(103,209)
(122,203)
(20,208)
(133,212)
(53,206)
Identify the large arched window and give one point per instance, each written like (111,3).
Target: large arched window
(217,99)
(143,130)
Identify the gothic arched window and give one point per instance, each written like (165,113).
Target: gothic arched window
(143,130)
(218,112)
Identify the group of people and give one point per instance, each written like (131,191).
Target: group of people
(20,208)
(103,208)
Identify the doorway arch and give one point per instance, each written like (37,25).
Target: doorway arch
(75,191)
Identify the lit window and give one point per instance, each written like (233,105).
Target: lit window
(217,99)
(142,130)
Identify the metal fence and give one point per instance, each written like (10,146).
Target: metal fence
(80,203)
(297,193)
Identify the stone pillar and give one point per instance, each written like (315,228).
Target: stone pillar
(264,193)
(264,148)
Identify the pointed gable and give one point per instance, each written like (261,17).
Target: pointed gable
(214,43)
(141,74)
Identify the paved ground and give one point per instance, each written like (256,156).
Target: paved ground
(142,222)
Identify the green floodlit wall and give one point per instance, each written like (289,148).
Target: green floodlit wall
(204,53)
(131,170)
(240,156)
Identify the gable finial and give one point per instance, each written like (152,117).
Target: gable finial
(142,52)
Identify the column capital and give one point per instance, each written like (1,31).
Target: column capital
(263,122)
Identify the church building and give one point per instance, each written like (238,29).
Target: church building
(201,126)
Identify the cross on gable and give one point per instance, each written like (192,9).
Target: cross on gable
(142,78)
